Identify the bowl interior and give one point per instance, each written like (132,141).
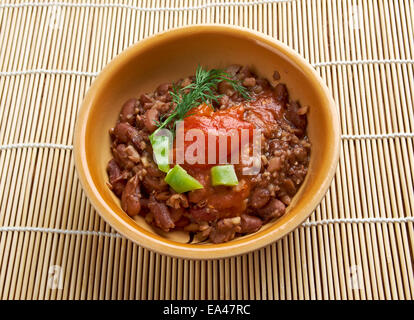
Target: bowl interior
(174,55)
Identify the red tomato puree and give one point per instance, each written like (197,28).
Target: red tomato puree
(213,129)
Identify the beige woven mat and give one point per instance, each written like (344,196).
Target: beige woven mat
(359,242)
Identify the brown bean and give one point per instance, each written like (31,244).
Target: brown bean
(121,132)
(154,184)
(182,222)
(153,170)
(148,105)
(286,199)
(130,201)
(121,156)
(274,209)
(128,111)
(259,198)
(264,83)
(151,116)
(176,214)
(257,89)
(164,88)
(139,121)
(204,214)
(250,224)
(276,75)
(289,186)
(298,120)
(161,214)
(145,98)
(117,179)
(144,204)
(162,196)
(282,94)
(125,133)
(162,107)
(300,153)
(133,154)
(225,230)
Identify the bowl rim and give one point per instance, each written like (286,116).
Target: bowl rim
(193,251)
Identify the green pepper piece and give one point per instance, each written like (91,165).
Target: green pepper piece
(181,181)
(224,176)
(161,147)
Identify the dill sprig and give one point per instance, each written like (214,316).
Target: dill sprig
(199,91)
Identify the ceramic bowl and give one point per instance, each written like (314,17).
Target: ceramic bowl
(175,54)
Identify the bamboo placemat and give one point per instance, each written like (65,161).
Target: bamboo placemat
(358,244)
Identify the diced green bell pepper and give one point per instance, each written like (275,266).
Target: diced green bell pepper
(224,176)
(161,147)
(181,181)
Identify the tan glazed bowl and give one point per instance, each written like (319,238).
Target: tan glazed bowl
(176,54)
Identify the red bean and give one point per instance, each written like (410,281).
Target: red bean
(225,230)
(125,133)
(131,197)
(117,179)
(121,156)
(204,214)
(145,98)
(182,222)
(128,111)
(259,198)
(282,94)
(151,116)
(250,224)
(121,132)
(164,88)
(289,186)
(274,209)
(264,83)
(161,214)
(299,121)
(176,214)
(154,184)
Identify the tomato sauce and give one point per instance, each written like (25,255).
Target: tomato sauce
(204,131)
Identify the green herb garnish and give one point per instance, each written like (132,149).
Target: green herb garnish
(201,90)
